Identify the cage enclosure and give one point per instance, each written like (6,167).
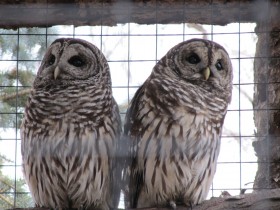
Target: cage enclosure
(134,35)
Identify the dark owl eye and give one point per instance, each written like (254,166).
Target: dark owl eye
(51,60)
(219,65)
(193,59)
(76,61)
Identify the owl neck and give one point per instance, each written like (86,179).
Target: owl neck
(194,98)
(72,103)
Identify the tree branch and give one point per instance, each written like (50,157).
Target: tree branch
(6,96)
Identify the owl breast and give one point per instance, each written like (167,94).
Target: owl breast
(179,158)
(179,146)
(66,147)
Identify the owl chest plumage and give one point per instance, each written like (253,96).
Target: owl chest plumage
(178,149)
(66,142)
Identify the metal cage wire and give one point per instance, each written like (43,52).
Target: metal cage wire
(132,50)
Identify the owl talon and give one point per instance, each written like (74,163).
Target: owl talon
(172,204)
(58,208)
(81,207)
(190,203)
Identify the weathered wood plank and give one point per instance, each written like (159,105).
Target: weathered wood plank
(266,199)
(25,13)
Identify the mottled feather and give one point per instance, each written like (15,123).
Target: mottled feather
(71,130)
(174,124)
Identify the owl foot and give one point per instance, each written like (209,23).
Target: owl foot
(190,203)
(81,207)
(58,208)
(172,204)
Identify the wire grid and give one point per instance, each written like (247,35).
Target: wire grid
(132,50)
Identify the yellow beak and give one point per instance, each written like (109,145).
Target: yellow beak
(56,72)
(206,73)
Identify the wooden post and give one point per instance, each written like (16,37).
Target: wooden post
(267,101)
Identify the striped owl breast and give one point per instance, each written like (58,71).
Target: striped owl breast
(174,152)
(66,107)
(185,132)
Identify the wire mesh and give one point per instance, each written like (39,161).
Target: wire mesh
(131,50)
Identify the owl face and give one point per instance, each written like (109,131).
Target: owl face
(69,61)
(201,60)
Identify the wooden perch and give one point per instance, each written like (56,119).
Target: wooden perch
(265,199)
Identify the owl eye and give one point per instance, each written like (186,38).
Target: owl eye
(51,60)
(193,59)
(76,61)
(219,65)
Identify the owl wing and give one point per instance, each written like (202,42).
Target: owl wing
(133,178)
(116,167)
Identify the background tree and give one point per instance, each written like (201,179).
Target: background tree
(15,84)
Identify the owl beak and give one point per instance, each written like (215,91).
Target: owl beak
(56,72)
(206,73)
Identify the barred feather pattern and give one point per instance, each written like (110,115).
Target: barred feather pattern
(173,128)
(69,137)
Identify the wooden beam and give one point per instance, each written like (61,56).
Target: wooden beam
(42,13)
(266,199)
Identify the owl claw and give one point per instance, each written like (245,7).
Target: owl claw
(81,207)
(190,203)
(58,208)
(172,204)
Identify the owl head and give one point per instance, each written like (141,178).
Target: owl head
(201,62)
(69,61)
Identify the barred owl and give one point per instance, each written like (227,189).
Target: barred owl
(71,129)
(173,126)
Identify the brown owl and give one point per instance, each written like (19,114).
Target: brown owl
(174,124)
(71,129)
